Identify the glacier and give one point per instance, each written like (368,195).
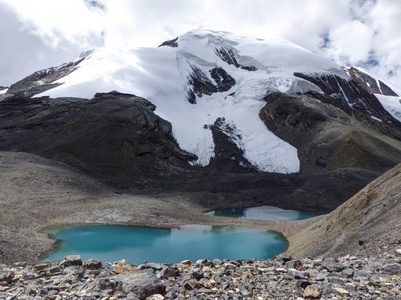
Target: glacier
(161,75)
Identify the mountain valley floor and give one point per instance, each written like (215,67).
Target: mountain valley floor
(38,193)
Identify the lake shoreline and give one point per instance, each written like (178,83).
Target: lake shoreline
(269,226)
(138,244)
(269,214)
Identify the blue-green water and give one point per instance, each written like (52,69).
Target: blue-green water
(137,244)
(264,213)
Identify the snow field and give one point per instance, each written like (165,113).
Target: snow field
(161,76)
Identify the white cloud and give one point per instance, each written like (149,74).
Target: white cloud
(357,30)
(351,42)
(22,52)
(385,20)
(58,22)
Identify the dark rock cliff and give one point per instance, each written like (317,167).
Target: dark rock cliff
(328,138)
(202,85)
(369,83)
(110,136)
(350,93)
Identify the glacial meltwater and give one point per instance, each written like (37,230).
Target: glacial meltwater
(264,213)
(137,244)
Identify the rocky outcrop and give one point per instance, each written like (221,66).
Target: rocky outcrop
(42,80)
(369,83)
(350,93)
(201,84)
(170,43)
(229,57)
(360,275)
(228,155)
(223,80)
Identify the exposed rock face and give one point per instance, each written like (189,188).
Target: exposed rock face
(42,80)
(370,84)
(349,92)
(329,138)
(171,43)
(228,156)
(202,85)
(229,57)
(223,80)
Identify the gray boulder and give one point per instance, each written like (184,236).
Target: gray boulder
(71,260)
(92,264)
(143,283)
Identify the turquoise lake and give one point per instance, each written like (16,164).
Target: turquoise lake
(264,213)
(137,244)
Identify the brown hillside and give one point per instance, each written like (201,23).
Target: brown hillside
(372,214)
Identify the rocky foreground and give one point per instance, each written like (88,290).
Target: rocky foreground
(369,274)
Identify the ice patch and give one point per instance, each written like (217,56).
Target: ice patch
(377,119)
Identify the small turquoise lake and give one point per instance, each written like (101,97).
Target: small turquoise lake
(137,244)
(264,213)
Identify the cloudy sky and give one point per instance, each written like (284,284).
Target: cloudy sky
(44,33)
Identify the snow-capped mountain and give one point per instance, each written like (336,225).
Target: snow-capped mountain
(205,80)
